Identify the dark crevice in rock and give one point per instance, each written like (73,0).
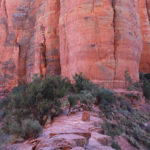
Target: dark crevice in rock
(115,35)
(93,5)
(6,15)
(147,11)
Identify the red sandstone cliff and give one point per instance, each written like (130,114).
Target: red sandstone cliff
(101,38)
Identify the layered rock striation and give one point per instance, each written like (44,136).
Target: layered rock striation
(100,38)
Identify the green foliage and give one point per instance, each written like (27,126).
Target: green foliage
(73,99)
(141,76)
(4,138)
(106,100)
(146,89)
(145,79)
(55,87)
(133,128)
(130,123)
(132,96)
(105,97)
(148,129)
(133,141)
(115,146)
(147,76)
(87,99)
(124,105)
(30,128)
(128,78)
(83,91)
(82,84)
(3,110)
(26,129)
(30,105)
(130,85)
(36,101)
(112,129)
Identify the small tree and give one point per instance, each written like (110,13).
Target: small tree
(36,101)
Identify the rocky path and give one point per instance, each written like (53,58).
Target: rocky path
(70,133)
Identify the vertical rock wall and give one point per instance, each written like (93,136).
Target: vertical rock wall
(144,11)
(101,38)
(128,38)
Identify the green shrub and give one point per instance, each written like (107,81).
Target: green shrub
(105,97)
(37,100)
(146,89)
(115,146)
(126,106)
(133,141)
(4,138)
(3,110)
(41,96)
(30,128)
(84,97)
(87,99)
(54,87)
(132,96)
(73,100)
(128,79)
(141,76)
(112,129)
(82,84)
(147,76)
(26,129)
(148,129)
(130,85)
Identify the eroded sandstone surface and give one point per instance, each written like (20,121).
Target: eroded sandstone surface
(100,38)
(71,133)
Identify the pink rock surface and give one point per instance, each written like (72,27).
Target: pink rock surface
(124,144)
(101,39)
(144,9)
(71,134)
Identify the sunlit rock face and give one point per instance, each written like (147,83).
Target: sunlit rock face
(29,40)
(144,9)
(100,38)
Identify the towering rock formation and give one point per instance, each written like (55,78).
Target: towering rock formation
(101,38)
(144,9)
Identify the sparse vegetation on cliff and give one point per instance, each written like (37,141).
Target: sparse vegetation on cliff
(29,106)
(146,89)
(128,123)
(39,101)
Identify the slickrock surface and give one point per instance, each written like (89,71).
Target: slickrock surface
(69,133)
(101,38)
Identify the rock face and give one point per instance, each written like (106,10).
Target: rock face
(69,133)
(144,9)
(101,39)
